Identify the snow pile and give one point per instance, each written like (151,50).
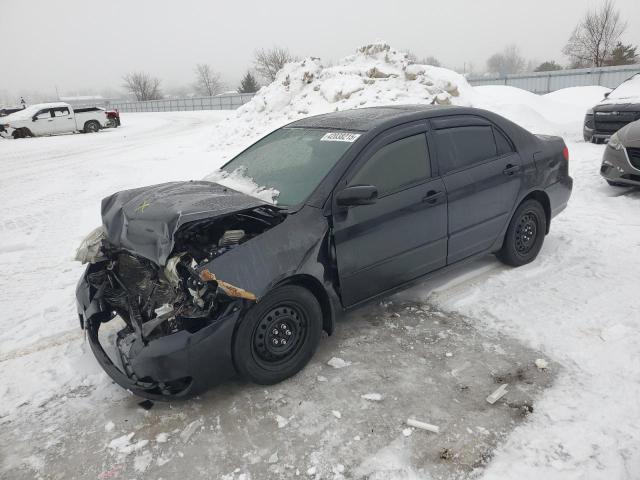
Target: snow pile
(375,75)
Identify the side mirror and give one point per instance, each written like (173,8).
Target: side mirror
(357,195)
(34,118)
(606,95)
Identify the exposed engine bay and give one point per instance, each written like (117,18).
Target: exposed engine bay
(155,301)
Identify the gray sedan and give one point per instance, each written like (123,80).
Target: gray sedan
(621,159)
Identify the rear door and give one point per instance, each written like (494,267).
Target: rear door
(63,121)
(482,174)
(403,235)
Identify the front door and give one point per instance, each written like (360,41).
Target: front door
(404,234)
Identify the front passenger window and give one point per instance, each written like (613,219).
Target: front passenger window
(395,165)
(42,114)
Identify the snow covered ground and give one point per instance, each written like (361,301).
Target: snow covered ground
(576,303)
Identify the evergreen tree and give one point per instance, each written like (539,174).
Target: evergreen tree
(548,67)
(248,84)
(623,55)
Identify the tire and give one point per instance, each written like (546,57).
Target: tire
(19,133)
(289,313)
(525,234)
(91,127)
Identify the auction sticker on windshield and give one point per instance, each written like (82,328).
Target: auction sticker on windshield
(340,137)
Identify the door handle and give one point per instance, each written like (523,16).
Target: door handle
(433,196)
(510,169)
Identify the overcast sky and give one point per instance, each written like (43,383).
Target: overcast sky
(78,45)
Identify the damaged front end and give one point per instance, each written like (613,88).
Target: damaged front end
(177,319)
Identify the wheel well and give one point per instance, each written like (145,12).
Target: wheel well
(315,287)
(543,198)
(91,121)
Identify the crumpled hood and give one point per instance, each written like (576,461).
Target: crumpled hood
(145,220)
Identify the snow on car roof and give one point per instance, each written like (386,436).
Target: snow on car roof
(627,90)
(363,119)
(32,110)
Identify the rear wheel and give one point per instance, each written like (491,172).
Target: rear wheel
(91,126)
(278,335)
(525,234)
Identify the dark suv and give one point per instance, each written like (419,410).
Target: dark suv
(620,107)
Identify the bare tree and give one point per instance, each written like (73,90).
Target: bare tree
(142,85)
(268,63)
(207,80)
(506,62)
(595,37)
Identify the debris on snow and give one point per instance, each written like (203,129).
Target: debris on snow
(162,437)
(423,426)
(407,431)
(282,422)
(541,363)
(273,458)
(336,413)
(124,446)
(372,397)
(311,471)
(448,354)
(497,394)
(320,378)
(336,362)
(142,461)
(109,426)
(190,429)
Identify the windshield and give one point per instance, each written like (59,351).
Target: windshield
(292,161)
(627,89)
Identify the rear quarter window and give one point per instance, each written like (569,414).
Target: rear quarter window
(461,147)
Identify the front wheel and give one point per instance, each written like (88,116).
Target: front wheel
(278,335)
(525,234)
(91,126)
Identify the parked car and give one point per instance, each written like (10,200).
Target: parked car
(50,119)
(207,282)
(9,110)
(620,107)
(113,117)
(621,159)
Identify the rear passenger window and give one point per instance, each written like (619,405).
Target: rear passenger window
(462,147)
(400,163)
(504,145)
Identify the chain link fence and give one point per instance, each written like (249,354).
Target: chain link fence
(220,102)
(545,82)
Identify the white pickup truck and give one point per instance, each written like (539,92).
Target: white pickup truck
(51,119)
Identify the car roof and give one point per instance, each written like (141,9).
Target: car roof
(365,119)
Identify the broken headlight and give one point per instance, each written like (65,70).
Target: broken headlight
(90,249)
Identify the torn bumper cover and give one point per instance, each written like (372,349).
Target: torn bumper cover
(179,364)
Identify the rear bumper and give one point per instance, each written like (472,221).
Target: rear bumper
(559,194)
(195,361)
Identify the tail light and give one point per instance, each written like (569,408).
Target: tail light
(565,153)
